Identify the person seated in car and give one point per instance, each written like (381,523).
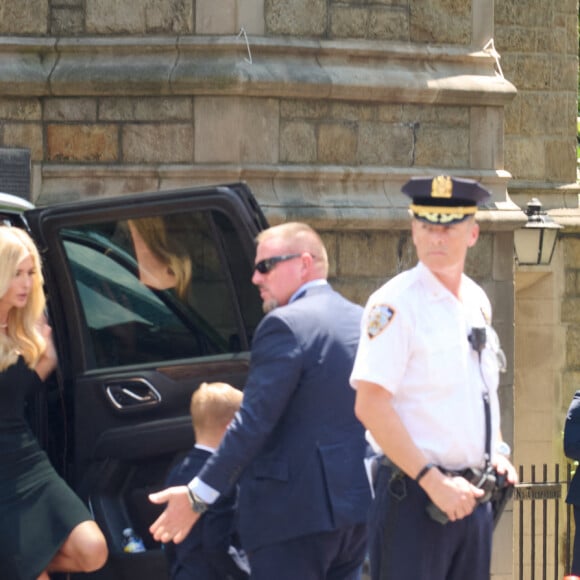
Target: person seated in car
(211,550)
(163,260)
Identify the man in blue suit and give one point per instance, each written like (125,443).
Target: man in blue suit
(295,447)
(572,451)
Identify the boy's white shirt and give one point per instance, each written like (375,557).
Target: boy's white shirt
(205,448)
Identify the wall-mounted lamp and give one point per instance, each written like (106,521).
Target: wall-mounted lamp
(535,242)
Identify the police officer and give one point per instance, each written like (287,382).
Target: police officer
(426,375)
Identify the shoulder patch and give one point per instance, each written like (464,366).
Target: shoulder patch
(380,316)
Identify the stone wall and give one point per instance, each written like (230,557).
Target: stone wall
(126,86)
(538,43)
(124,131)
(433,22)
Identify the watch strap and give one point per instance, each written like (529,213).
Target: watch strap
(197,504)
(424,471)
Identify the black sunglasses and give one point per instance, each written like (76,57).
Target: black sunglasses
(267,265)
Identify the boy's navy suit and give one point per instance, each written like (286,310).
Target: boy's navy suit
(296,447)
(572,451)
(203,555)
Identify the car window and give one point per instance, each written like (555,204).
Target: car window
(159,288)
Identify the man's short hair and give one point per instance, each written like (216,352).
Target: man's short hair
(299,237)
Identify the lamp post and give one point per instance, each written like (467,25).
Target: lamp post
(535,242)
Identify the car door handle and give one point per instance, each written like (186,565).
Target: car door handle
(132,394)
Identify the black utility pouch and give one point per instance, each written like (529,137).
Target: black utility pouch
(502,493)
(397,484)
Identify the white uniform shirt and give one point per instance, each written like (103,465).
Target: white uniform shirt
(414,343)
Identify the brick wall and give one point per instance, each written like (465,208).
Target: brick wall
(186,130)
(538,41)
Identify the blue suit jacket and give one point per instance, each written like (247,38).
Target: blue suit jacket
(203,555)
(572,446)
(296,446)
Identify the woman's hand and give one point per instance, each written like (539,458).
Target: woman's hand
(48,360)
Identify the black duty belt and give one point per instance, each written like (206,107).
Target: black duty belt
(472,474)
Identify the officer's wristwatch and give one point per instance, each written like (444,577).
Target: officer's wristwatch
(196,503)
(504,449)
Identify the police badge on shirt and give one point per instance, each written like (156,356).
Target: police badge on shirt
(379,318)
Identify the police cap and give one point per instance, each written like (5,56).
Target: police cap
(443,199)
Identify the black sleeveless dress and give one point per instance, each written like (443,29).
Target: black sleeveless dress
(37,508)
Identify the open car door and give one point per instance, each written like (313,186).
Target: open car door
(149,295)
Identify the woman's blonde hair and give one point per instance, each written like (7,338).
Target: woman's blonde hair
(166,249)
(22,335)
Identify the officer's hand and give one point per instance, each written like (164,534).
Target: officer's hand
(461,498)
(504,465)
(177,519)
(453,495)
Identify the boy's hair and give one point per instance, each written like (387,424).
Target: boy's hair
(213,406)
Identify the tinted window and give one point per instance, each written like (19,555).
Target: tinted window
(162,287)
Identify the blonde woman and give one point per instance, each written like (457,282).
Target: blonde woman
(163,260)
(44,526)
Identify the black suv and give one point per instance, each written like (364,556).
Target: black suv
(149,295)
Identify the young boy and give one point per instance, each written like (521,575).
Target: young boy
(211,550)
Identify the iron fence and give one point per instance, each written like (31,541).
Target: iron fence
(543,524)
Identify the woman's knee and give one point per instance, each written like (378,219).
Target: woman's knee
(97,555)
(90,546)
